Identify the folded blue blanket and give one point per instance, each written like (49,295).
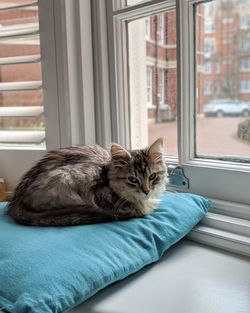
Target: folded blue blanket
(52,269)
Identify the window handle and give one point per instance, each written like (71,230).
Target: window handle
(177,177)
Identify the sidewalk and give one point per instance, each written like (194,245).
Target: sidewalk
(215,137)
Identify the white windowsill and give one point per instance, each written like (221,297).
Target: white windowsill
(185,280)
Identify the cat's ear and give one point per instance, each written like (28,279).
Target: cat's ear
(155,151)
(118,152)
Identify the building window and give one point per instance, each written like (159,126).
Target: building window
(208,47)
(245,43)
(149,85)
(208,67)
(147,23)
(245,86)
(217,67)
(218,88)
(208,8)
(207,88)
(245,64)
(161,86)
(209,26)
(161,28)
(245,22)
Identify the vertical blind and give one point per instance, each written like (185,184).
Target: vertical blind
(21,94)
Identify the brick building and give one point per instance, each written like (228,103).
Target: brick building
(161,64)
(226,71)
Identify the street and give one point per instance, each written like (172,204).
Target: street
(215,137)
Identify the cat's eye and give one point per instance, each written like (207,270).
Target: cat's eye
(132,179)
(152,176)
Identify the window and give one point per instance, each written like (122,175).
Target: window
(198,151)
(209,26)
(36,102)
(207,88)
(146,123)
(208,47)
(245,64)
(245,43)
(148,25)
(23,101)
(208,67)
(245,22)
(161,28)
(245,86)
(21,111)
(217,67)
(209,147)
(149,85)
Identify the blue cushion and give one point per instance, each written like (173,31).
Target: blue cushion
(52,269)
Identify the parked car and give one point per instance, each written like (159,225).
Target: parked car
(226,107)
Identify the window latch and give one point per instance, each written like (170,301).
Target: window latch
(177,177)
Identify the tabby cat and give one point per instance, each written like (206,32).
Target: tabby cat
(87,184)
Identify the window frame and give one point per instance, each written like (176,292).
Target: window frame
(68,84)
(217,170)
(14,161)
(226,206)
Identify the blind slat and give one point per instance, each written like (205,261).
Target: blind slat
(29,111)
(18,6)
(21,137)
(20,59)
(19,30)
(19,86)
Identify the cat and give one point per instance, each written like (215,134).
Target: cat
(87,184)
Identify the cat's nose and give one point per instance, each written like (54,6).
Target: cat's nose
(145,190)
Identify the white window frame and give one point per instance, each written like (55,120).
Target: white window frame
(222,170)
(14,161)
(215,179)
(67,73)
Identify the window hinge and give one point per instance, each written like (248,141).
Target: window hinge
(177,177)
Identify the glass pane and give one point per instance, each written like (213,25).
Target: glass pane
(223,80)
(152,80)
(19,59)
(119,4)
